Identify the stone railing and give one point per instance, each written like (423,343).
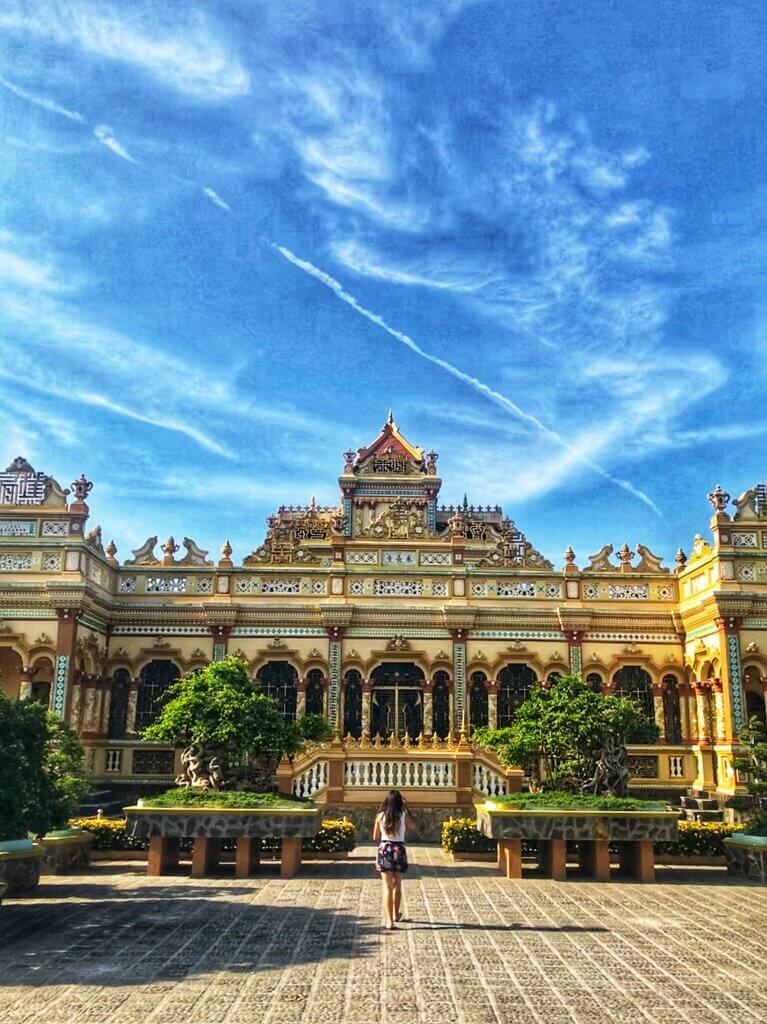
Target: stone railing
(487,780)
(399,774)
(311,780)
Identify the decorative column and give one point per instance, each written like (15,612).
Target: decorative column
(130,717)
(335,655)
(220,631)
(89,723)
(720,730)
(428,709)
(729,646)
(575,651)
(704,733)
(459,678)
(366,687)
(64,667)
(492,704)
(106,703)
(658,710)
(301,698)
(684,712)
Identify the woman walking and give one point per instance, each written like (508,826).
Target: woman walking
(391,861)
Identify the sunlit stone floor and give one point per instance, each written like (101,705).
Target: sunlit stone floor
(113,946)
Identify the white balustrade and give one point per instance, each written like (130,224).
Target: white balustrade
(485,780)
(399,774)
(113,760)
(311,781)
(676,766)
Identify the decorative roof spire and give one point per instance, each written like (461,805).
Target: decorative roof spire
(390,419)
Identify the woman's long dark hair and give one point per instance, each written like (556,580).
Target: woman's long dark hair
(392,809)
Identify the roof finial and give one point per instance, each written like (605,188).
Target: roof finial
(390,418)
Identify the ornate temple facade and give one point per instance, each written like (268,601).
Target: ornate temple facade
(403,621)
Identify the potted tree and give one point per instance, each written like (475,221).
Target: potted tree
(746,851)
(40,765)
(232,737)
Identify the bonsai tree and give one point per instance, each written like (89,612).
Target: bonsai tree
(232,733)
(41,769)
(567,736)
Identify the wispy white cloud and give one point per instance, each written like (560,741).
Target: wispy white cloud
(579,454)
(178,46)
(216,199)
(41,101)
(106,137)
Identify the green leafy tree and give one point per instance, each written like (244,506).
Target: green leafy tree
(753,756)
(232,732)
(41,770)
(567,736)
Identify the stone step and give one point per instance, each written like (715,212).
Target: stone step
(699,803)
(698,815)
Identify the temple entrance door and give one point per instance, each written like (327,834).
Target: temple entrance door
(397,702)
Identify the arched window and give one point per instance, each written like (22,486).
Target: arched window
(396,700)
(595,681)
(156,677)
(553,677)
(278,680)
(478,706)
(10,672)
(440,705)
(632,681)
(672,715)
(314,691)
(754,706)
(42,682)
(514,685)
(118,704)
(353,704)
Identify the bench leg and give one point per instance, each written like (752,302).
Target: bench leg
(247,856)
(205,854)
(163,855)
(552,857)
(637,860)
(510,857)
(594,858)
(290,856)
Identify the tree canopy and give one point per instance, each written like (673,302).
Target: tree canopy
(568,736)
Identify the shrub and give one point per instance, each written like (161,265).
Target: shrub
(573,801)
(184,797)
(461,835)
(740,803)
(333,836)
(700,839)
(109,834)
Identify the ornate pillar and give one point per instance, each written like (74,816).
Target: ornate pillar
(367,688)
(64,666)
(720,728)
(460,698)
(220,641)
(684,712)
(90,712)
(301,698)
(335,655)
(428,709)
(729,647)
(658,710)
(575,651)
(130,717)
(763,681)
(492,704)
(704,733)
(106,703)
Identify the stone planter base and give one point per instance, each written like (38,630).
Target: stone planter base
(746,861)
(64,853)
(485,858)
(20,869)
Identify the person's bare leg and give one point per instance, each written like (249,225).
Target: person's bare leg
(389,899)
(384,896)
(397,896)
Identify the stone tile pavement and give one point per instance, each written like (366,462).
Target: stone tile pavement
(114,947)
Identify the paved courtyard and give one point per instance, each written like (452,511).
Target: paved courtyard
(113,947)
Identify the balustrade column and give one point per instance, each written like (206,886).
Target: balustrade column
(367,690)
(428,709)
(658,710)
(704,733)
(492,705)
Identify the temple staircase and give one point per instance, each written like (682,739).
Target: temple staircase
(701,807)
(103,800)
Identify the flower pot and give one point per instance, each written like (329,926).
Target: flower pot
(20,865)
(13,845)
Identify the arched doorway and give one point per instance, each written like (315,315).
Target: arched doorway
(479,715)
(10,672)
(118,704)
(155,677)
(279,680)
(632,681)
(397,701)
(672,714)
(440,705)
(314,692)
(353,704)
(514,685)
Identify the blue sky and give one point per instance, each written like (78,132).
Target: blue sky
(233,235)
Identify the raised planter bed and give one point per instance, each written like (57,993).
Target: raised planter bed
(20,863)
(747,857)
(634,832)
(66,849)
(164,826)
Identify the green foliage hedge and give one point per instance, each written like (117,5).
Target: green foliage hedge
(182,796)
(110,834)
(575,801)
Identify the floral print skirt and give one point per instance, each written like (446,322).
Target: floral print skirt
(391,856)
